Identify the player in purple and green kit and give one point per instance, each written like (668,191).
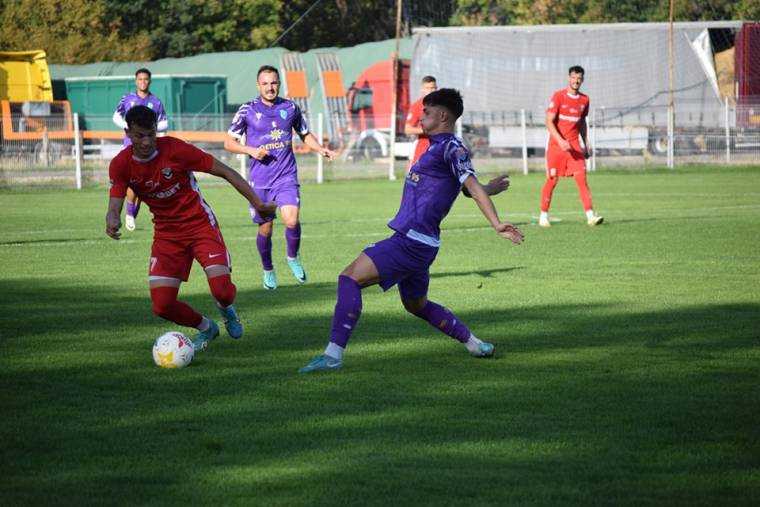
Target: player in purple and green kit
(267,123)
(140,97)
(432,185)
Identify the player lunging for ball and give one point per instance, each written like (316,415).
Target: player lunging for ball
(566,122)
(160,172)
(431,187)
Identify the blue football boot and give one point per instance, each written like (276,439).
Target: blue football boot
(484,350)
(270,280)
(322,363)
(200,340)
(231,322)
(297,268)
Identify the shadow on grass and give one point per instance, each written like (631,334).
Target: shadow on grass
(584,403)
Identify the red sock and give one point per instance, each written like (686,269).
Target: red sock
(546,193)
(223,289)
(166,306)
(580,180)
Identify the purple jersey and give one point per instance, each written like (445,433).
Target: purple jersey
(271,128)
(131,100)
(431,187)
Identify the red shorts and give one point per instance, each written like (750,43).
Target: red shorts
(173,258)
(564,163)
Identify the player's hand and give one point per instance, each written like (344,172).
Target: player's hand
(258,153)
(586,153)
(510,232)
(498,184)
(328,154)
(564,145)
(267,209)
(113,224)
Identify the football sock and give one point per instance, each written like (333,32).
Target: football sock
(166,306)
(473,344)
(293,240)
(348,308)
(442,319)
(546,193)
(589,214)
(132,209)
(334,350)
(223,289)
(585,193)
(264,244)
(544,215)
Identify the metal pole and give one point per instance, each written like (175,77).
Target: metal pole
(593,139)
(671,112)
(320,138)
(77,152)
(524,130)
(728,136)
(394,95)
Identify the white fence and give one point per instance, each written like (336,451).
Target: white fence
(53,151)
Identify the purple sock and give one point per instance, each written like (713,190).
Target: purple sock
(293,240)
(442,319)
(132,209)
(264,244)
(348,308)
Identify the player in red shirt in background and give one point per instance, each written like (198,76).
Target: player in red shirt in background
(160,172)
(413,124)
(566,121)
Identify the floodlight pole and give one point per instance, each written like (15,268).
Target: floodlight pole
(671,102)
(394,95)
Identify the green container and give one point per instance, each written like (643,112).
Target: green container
(192,102)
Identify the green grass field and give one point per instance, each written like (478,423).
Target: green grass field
(627,367)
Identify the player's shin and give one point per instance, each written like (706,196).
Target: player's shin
(166,306)
(264,246)
(348,308)
(442,319)
(293,240)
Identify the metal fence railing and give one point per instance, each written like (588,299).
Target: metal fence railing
(54,150)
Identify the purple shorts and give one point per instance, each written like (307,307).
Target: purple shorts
(403,261)
(284,196)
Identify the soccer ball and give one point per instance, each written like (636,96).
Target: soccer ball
(172,350)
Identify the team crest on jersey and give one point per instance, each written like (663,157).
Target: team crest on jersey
(283,114)
(167,172)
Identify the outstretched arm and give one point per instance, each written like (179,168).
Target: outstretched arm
(113,216)
(496,186)
(223,171)
(480,196)
(312,142)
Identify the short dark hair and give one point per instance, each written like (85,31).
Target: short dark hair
(449,98)
(143,70)
(576,69)
(142,116)
(428,79)
(267,68)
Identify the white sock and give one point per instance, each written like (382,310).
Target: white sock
(290,258)
(544,216)
(590,214)
(204,325)
(473,344)
(334,350)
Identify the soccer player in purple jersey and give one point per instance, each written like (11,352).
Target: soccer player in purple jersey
(140,97)
(431,187)
(267,123)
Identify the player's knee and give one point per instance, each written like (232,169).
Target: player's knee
(414,306)
(290,222)
(265,229)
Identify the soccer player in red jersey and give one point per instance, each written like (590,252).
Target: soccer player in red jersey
(413,124)
(566,121)
(160,172)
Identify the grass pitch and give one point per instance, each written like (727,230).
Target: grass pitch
(627,365)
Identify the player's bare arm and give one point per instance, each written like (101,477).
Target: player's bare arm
(311,141)
(113,217)
(496,186)
(233,146)
(552,127)
(504,229)
(223,171)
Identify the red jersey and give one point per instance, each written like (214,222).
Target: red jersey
(570,111)
(165,182)
(413,119)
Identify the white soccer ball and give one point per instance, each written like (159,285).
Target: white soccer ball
(172,350)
